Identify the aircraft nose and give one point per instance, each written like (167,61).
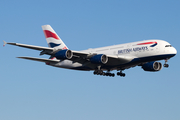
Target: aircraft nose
(174,51)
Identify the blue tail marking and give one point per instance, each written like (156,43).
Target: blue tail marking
(53,45)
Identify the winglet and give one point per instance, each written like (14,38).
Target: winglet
(4,43)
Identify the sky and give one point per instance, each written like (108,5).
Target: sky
(31,90)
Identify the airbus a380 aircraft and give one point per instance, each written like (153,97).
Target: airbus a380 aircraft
(117,57)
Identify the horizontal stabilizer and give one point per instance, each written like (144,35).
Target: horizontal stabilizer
(39,59)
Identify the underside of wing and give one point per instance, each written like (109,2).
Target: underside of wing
(80,57)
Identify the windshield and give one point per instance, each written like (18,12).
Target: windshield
(168,46)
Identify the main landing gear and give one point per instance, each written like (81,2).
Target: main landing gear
(100,72)
(165,64)
(121,74)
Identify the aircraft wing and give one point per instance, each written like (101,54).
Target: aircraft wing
(117,60)
(78,56)
(40,59)
(82,57)
(112,60)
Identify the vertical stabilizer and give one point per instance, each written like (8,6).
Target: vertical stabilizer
(53,40)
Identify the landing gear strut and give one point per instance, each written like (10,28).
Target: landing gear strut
(165,64)
(98,72)
(121,74)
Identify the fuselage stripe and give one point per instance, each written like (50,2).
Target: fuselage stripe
(147,43)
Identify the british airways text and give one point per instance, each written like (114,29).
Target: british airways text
(132,50)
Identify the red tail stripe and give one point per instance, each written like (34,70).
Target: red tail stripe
(146,43)
(48,34)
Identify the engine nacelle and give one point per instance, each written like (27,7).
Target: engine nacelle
(99,59)
(152,66)
(64,54)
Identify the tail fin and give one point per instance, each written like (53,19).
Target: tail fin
(53,40)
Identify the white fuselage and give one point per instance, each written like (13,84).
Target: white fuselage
(151,49)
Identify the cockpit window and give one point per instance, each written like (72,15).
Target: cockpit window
(168,46)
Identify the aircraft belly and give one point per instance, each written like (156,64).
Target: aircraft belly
(113,64)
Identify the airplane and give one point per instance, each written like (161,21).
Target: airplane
(117,57)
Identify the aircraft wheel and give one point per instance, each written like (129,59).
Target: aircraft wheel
(110,75)
(166,65)
(123,75)
(118,73)
(103,73)
(96,72)
(107,74)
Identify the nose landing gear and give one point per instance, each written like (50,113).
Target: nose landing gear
(165,64)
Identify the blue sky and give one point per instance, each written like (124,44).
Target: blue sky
(32,90)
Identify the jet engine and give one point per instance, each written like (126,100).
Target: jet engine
(64,54)
(99,59)
(152,66)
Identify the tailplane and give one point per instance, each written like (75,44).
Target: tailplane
(53,40)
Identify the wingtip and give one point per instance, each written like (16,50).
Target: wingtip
(4,43)
(20,57)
